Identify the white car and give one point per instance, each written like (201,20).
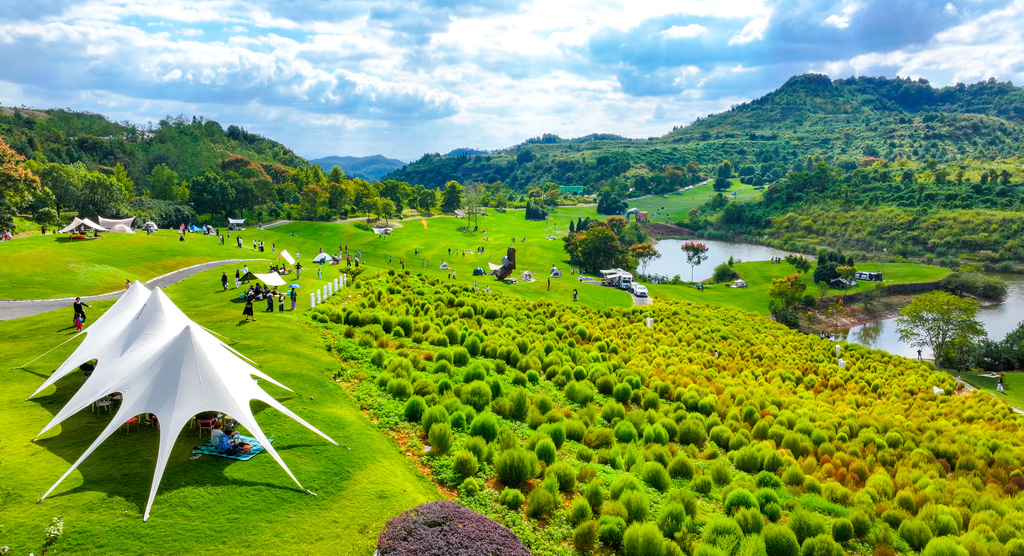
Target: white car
(639,290)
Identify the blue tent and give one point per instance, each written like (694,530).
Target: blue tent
(194,228)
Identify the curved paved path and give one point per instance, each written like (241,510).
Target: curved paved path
(25,308)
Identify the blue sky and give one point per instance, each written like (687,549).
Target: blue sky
(402,78)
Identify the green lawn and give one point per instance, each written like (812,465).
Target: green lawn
(360,484)
(1013,391)
(759,276)
(675,204)
(43,267)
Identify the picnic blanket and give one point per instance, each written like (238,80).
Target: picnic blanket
(254,448)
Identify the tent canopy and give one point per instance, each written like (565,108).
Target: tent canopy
(110,223)
(479,271)
(236,221)
(82,222)
(194,228)
(164,364)
(321,258)
(287,256)
(383,231)
(150,226)
(270,279)
(493,266)
(121,229)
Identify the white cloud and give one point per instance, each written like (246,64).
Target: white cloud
(752,31)
(487,79)
(684,32)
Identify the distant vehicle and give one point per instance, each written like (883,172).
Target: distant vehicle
(640,290)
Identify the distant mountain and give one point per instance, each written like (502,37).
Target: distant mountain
(843,121)
(370,168)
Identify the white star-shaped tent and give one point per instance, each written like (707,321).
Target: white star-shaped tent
(163,363)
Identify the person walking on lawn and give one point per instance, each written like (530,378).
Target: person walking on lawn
(79,311)
(224,280)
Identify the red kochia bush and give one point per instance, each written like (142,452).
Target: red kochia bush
(444,528)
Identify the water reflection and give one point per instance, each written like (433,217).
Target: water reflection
(673,260)
(998,321)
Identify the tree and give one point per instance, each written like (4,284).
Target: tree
(63,181)
(162,183)
(799,263)
(644,253)
(426,200)
(17,185)
(788,290)
(725,170)
(598,248)
(452,197)
(938,319)
(122,178)
(100,194)
(210,193)
(472,199)
(696,253)
(387,210)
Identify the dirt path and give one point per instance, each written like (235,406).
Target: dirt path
(10,310)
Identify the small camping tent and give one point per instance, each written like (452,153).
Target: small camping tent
(322,258)
(444,266)
(739,283)
(111,223)
(480,272)
(247,277)
(150,226)
(555,273)
(122,229)
(193,228)
(526,276)
(82,222)
(166,365)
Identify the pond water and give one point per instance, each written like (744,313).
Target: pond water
(998,321)
(673,260)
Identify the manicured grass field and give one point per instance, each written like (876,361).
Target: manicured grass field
(675,204)
(1013,391)
(759,276)
(42,267)
(246,505)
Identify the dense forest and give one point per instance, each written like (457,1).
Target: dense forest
(843,121)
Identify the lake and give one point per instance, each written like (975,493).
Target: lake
(673,260)
(998,321)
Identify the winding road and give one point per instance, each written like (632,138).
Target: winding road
(10,310)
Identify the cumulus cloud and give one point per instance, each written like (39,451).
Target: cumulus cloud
(403,78)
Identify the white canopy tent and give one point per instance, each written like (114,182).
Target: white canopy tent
(270,279)
(164,364)
(110,223)
(288,257)
(236,221)
(74,225)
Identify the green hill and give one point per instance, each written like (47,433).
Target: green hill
(843,121)
(370,168)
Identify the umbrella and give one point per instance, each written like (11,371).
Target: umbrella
(294,286)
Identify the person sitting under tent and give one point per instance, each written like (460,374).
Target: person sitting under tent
(226,440)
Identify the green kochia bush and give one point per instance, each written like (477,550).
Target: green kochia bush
(465,462)
(643,539)
(740,498)
(821,545)
(414,409)
(681,467)
(485,425)
(516,466)
(441,438)
(433,415)
(540,504)
(916,533)
(564,474)
(511,498)
(780,540)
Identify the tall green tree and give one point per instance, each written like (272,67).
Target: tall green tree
(938,319)
(598,248)
(163,183)
(63,181)
(17,185)
(452,198)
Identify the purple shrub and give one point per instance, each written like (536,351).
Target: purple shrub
(444,528)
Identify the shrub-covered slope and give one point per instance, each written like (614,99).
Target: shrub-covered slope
(714,432)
